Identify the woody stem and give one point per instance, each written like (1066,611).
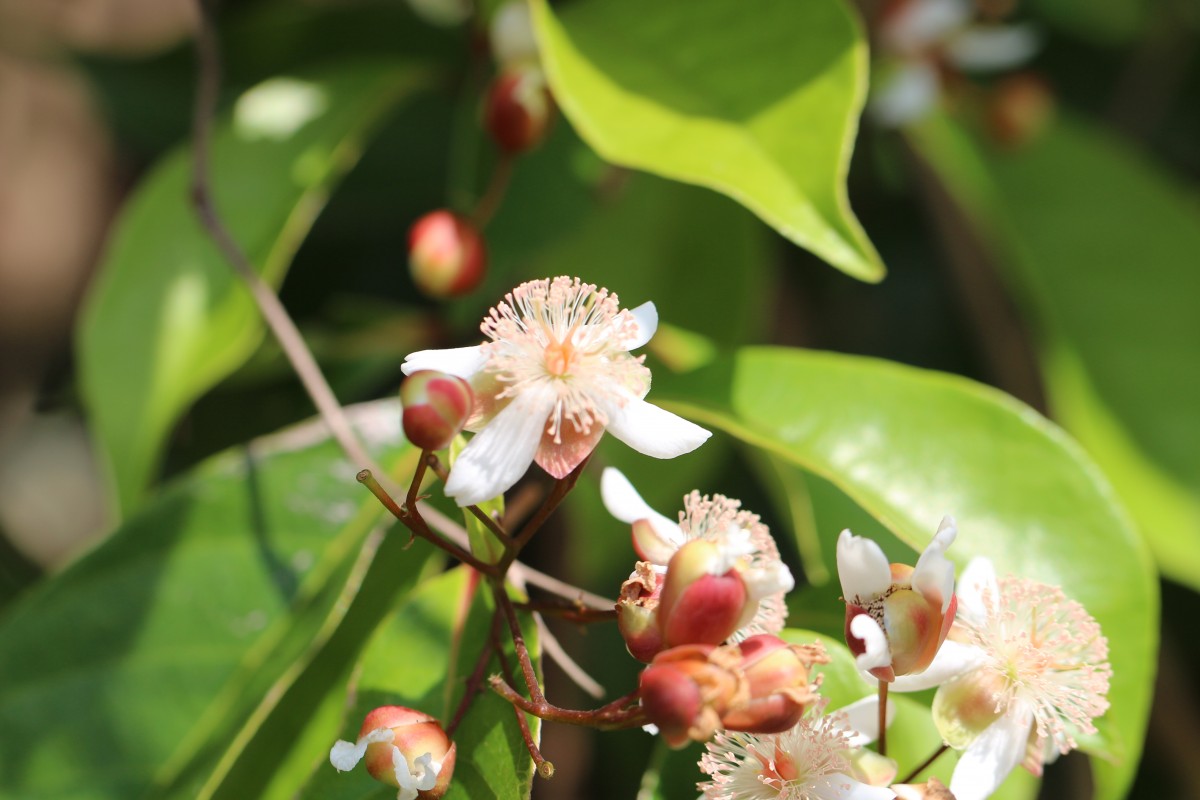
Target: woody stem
(925,764)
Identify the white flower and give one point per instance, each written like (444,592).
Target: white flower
(817,759)
(743,539)
(1032,671)
(920,37)
(556,374)
(893,631)
(421,776)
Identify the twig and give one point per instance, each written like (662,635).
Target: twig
(620,714)
(272,310)
(492,525)
(883,693)
(924,765)
(544,767)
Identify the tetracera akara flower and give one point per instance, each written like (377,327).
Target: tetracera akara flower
(1032,673)
(403,748)
(820,758)
(897,616)
(554,376)
(741,545)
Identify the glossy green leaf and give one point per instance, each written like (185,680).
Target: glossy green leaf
(910,446)
(761,106)
(161,643)
(166,317)
(422,659)
(1099,246)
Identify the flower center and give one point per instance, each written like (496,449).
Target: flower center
(559,356)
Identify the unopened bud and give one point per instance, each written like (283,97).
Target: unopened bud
(403,748)
(436,406)
(779,684)
(637,613)
(446,255)
(703,597)
(519,109)
(1019,108)
(687,689)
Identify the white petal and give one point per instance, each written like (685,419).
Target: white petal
(765,581)
(404,777)
(993,48)
(654,432)
(512,35)
(952,659)
(933,575)
(877,654)
(501,453)
(978,580)
(427,772)
(862,567)
(906,94)
(842,787)
(646,316)
(989,759)
(863,719)
(344,755)
(923,23)
(624,503)
(461,361)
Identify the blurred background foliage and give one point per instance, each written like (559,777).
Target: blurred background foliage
(1039,228)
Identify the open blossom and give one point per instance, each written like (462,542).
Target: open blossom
(1030,671)
(556,374)
(820,758)
(923,39)
(717,558)
(897,616)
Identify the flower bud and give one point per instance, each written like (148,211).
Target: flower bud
(1018,109)
(436,406)
(446,255)
(777,676)
(403,748)
(519,109)
(637,616)
(703,597)
(687,689)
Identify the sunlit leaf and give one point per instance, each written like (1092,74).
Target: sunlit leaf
(761,104)
(1096,242)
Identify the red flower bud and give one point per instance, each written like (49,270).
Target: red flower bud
(446,255)
(436,406)
(702,599)
(519,109)
(428,754)
(778,679)
(687,689)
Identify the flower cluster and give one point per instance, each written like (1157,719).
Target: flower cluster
(1021,670)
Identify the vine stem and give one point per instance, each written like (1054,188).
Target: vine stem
(924,765)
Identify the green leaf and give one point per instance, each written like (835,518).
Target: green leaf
(909,445)
(166,317)
(1096,241)
(161,643)
(760,106)
(434,622)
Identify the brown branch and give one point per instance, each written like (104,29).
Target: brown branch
(620,714)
